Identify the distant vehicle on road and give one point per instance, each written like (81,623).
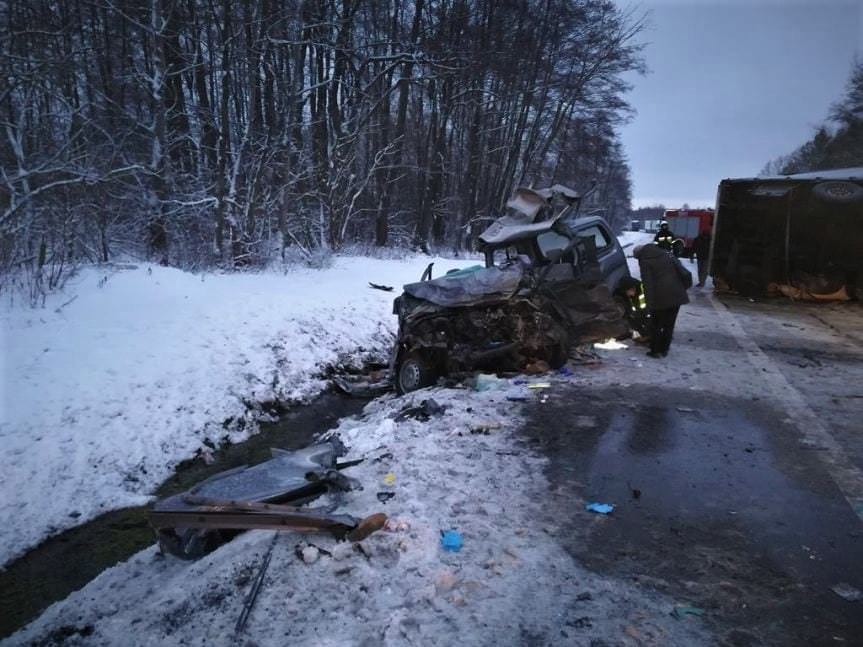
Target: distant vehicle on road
(686,225)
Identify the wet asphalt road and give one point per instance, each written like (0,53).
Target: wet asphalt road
(718,505)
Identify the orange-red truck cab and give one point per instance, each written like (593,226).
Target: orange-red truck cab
(686,225)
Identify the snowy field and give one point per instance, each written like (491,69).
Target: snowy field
(128,371)
(511,583)
(131,370)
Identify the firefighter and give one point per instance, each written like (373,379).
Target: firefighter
(664,238)
(631,294)
(665,283)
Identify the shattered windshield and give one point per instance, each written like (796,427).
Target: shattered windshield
(552,245)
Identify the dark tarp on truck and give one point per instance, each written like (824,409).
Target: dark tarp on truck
(797,235)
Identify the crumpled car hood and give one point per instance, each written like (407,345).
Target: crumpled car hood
(485,285)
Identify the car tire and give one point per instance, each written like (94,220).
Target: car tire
(415,372)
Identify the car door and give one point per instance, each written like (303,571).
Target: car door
(612,260)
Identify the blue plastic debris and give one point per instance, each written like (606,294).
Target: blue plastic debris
(601,508)
(489,382)
(681,612)
(566,371)
(451,540)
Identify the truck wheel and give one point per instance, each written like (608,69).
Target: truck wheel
(414,373)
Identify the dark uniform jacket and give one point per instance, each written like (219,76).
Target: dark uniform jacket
(702,245)
(661,274)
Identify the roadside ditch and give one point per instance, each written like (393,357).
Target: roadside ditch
(66,562)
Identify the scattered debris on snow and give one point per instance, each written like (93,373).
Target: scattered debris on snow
(398,585)
(610,344)
(377,286)
(149,365)
(193,523)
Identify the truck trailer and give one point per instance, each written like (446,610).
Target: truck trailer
(799,235)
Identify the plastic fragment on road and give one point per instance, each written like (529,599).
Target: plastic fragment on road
(685,410)
(383,497)
(489,382)
(539,385)
(601,508)
(389,479)
(486,428)
(566,371)
(451,540)
(681,612)
(422,412)
(610,344)
(397,525)
(847,592)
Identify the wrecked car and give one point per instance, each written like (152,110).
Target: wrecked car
(547,284)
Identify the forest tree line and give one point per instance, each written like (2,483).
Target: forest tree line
(837,143)
(205,133)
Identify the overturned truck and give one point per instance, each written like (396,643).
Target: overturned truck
(548,283)
(797,235)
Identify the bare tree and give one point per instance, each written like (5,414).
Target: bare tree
(199,132)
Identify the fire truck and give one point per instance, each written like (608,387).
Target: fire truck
(686,225)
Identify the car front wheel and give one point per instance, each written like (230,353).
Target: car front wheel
(415,372)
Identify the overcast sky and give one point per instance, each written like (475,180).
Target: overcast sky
(732,85)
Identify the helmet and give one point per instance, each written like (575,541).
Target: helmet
(663,224)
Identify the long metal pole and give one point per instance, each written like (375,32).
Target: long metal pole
(256,587)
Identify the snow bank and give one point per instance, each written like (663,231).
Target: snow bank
(511,584)
(629,239)
(129,371)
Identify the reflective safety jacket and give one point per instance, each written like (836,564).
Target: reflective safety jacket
(664,238)
(636,312)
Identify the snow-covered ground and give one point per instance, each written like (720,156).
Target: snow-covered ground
(133,369)
(511,583)
(129,371)
(629,239)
